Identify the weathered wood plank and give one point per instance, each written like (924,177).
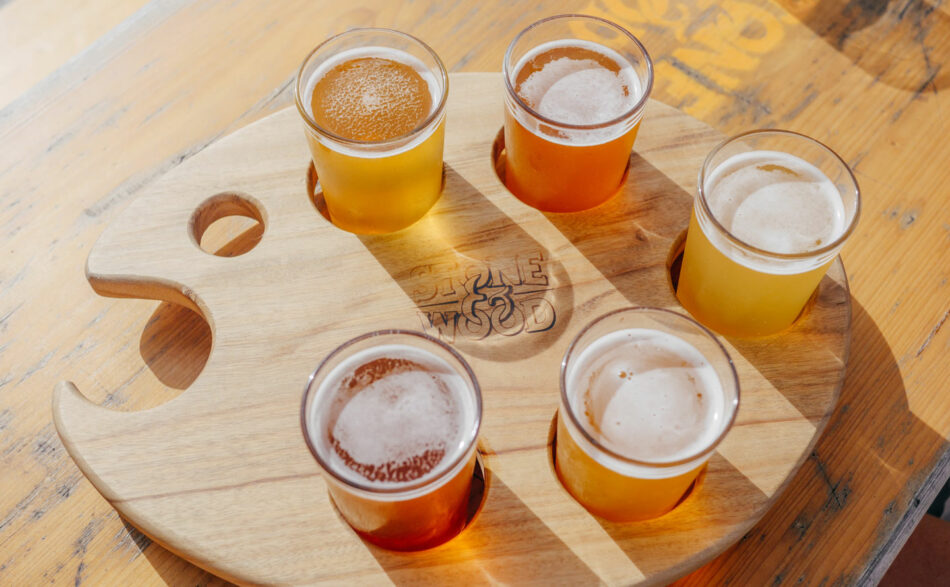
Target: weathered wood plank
(39,36)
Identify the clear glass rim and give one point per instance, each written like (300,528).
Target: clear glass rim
(565,400)
(421,127)
(707,211)
(632,111)
(411,486)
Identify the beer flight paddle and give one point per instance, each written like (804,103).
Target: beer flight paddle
(221,474)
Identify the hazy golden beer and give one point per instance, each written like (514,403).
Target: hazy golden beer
(392,418)
(646,396)
(575,91)
(772,211)
(373,104)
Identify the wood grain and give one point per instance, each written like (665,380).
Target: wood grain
(221,474)
(866,78)
(35,39)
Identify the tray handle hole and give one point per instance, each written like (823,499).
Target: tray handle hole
(228,224)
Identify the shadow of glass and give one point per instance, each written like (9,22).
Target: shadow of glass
(722,497)
(902,44)
(629,237)
(477,279)
(492,551)
(860,486)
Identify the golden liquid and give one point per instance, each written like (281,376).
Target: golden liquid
(611,495)
(375,99)
(735,300)
(412,524)
(557,177)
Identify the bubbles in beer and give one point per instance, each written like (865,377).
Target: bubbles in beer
(396,416)
(577,82)
(776,202)
(371,98)
(647,394)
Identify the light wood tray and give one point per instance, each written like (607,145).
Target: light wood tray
(221,474)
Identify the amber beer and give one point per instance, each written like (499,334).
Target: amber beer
(772,211)
(392,418)
(373,104)
(576,88)
(646,396)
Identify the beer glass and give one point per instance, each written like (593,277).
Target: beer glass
(392,418)
(647,395)
(373,106)
(576,87)
(772,210)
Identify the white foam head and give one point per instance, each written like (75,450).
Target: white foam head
(776,202)
(646,395)
(381,428)
(579,92)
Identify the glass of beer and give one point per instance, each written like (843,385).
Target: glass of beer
(772,211)
(373,105)
(646,396)
(392,418)
(576,88)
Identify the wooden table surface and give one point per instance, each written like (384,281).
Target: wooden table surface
(99,98)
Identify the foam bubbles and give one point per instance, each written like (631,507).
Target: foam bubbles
(776,202)
(354,113)
(577,91)
(578,83)
(395,414)
(396,420)
(371,99)
(647,395)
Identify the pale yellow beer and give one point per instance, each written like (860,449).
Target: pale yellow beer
(646,396)
(734,299)
(772,211)
(612,495)
(373,104)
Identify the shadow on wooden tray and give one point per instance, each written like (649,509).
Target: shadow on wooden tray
(722,496)
(488,551)
(629,237)
(478,280)
(862,453)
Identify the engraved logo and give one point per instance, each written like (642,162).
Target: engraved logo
(475,300)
